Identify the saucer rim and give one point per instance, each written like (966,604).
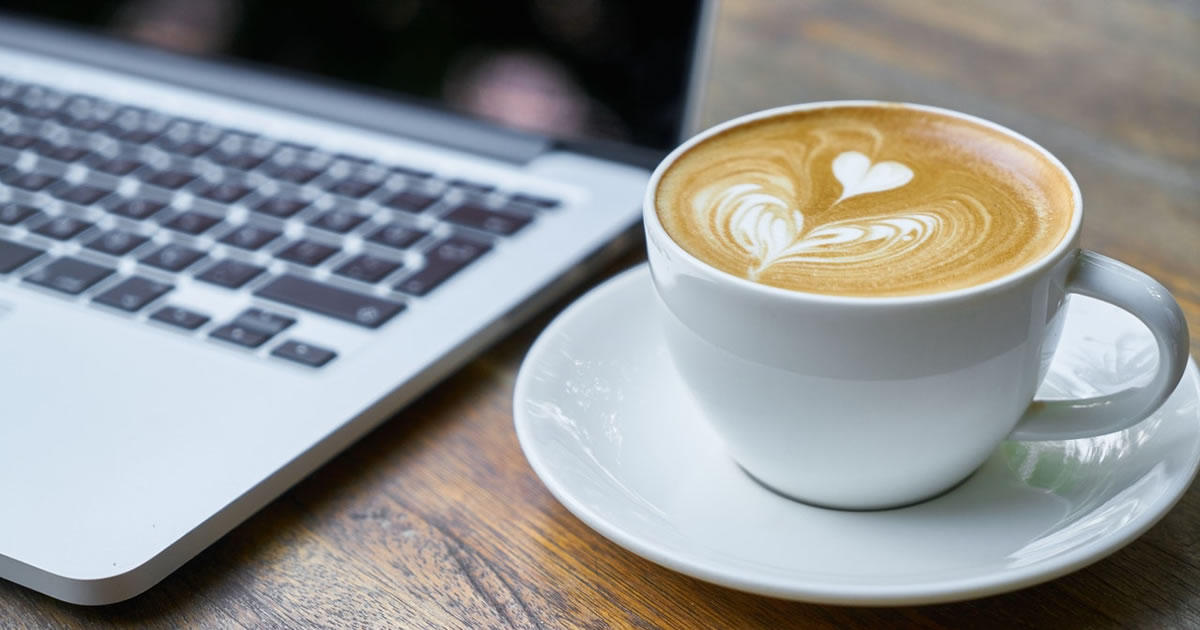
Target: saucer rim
(810,590)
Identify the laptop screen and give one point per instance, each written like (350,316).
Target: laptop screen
(574,69)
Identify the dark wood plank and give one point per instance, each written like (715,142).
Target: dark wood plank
(436,520)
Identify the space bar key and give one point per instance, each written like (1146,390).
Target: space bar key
(349,306)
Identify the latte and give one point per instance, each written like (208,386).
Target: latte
(884,200)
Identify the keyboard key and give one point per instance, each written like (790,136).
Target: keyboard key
(340,221)
(348,306)
(442,261)
(193,223)
(60,152)
(29,181)
(352,187)
(488,219)
(86,113)
(265,322)
(13,213)
(62,228)
(367,268)
(231,274)
(250,237)
(397,236)
(281,207)
(310,253)
(69,275)
(470,186)
(410,201)
(303,353)
(294,173)
(137,209)
(115,165)
(133,294)
(15,255)
(226,192)
(17,140)
(117,242)
(412,172)
(240,335)
(180,317)
(173,257)
(168,179)
(83,194)
(535,201)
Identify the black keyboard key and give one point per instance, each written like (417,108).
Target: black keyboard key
(410,201)
(231,274)
(488,219)
(305,252)
(17,140)
(250,237)
(340,221)
(535,201)
(240,335)
(173,257)
(62,228)
(412,172)
(303,353)
(294,173)
(265,322)
(241,151)
(180,317)
(168,179)
(13,213)
(281,207)
(119,165)
(83,194)
(356,308)
(133,294)
(226,192)
(367,268)
(470,186)
(117,242)
(442,261)
(86,113)
(15,255)
(397,235)
(38,102)
(69,275)
(193,223)
(60,152)
(352,187)
(29,181)
(136,209)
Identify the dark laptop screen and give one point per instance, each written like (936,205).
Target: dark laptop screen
(580,69)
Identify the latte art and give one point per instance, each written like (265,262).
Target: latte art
(864,201)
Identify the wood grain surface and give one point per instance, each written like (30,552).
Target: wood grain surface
(435,520)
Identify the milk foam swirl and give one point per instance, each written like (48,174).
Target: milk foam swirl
(849,206)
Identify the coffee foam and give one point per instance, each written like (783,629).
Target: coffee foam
(865,201)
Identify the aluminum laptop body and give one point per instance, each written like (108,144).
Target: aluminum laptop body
(130,439)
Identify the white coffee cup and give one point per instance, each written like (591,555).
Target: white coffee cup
(868,403)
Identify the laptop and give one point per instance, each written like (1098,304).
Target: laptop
(235,236)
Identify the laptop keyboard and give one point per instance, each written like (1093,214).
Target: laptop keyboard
(178,197)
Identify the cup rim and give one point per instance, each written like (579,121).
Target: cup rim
(1065,245)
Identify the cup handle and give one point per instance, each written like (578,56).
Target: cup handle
(1127,288)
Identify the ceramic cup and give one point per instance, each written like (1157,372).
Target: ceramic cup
(869,403)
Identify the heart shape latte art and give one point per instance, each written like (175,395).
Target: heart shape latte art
(772,232)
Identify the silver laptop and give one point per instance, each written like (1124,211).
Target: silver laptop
(234,237)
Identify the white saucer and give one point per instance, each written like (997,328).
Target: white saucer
(614,435)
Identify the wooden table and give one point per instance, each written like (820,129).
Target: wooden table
(435,520)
